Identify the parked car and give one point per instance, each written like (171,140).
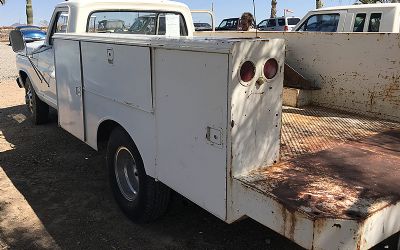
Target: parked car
(202,27)
(31,33)
(353,18)
(278,24)
(228,24)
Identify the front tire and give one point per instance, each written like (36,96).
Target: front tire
(140,197)
(37,108)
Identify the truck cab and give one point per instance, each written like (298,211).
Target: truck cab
(37,73)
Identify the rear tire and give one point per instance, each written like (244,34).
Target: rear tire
(140,197)
(37,108)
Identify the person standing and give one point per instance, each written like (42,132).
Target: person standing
(246,22)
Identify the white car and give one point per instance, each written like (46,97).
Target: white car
(278,24)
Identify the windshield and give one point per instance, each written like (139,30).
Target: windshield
(321,23)
(205,25)
(28,28)
(229,23)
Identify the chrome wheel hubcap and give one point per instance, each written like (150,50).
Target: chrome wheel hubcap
(126,173)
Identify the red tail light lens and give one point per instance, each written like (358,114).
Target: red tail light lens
(247,71)
(270,68)
(286,28)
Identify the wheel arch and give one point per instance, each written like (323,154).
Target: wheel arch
(99,138)
(23,75)
(104,131)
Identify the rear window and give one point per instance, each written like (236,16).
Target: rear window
(374,22)
(134,22)
(281,22)
(359,22)
(293,21)
(321,23)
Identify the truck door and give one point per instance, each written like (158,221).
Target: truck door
(69,86)
(45,56)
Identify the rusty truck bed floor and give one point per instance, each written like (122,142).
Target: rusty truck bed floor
(313,129)
(335,165)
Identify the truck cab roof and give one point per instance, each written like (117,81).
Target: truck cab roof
(80,10)
(361,6)
(81,3)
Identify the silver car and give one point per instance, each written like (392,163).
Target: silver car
(278,24)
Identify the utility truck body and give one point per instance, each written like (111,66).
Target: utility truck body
(178,100)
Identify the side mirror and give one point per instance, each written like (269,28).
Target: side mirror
(17,41)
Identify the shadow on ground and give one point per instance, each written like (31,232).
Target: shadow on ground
(64,182)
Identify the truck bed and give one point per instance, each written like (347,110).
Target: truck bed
(336,167)
(313,129)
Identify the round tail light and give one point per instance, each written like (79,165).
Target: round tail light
(270,68)
(247,71)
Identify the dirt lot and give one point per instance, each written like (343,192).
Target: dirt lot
(54,194)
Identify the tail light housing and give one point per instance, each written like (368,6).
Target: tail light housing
(271,68)
(286,28)
(247,71)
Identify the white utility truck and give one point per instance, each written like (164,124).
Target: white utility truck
(203,116)
(380,17)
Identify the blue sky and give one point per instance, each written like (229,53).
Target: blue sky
(14,10)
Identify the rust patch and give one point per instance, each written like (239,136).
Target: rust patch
(389,92)
(319,226)
(294,79)
(349,181)
(392,91)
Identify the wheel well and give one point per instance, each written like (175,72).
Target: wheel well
(23,76)
(104,132)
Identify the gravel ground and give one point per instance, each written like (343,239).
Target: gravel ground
(7,63)
(54,194)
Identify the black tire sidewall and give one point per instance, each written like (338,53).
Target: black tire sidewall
(32,112)
(40,110)
(133,209)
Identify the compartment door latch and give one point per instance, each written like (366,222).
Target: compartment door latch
(214,135)
(110,55)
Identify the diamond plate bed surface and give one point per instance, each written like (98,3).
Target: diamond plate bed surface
(313,129)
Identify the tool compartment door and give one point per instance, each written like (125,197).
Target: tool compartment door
(69,87)
(191,116)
